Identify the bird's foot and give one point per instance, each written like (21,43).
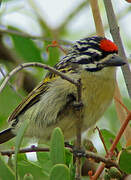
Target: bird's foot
(78,152)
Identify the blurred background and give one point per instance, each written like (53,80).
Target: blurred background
(28,26)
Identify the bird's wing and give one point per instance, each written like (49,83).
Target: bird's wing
(33,97)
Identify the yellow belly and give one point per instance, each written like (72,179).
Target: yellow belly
(96,97)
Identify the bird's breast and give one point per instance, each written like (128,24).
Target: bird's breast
(97,94)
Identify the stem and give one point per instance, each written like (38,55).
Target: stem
(24,150)
(78,131)
(100,31)
(102,139)
(26,35)
(97,18)
(110,153)
(109,163)
(120,133)
(98,172)
(24,65)
(114,29)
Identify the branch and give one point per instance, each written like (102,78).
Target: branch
(25,65)
(25,150)
(1,71)
(100,31)
(102,139)
(120,133)
(79,124)
(113,146)
(97,18)
(109,163)
(114,29)
(22,34)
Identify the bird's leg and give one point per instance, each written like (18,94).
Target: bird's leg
(78,152)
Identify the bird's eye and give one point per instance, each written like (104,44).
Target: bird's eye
(95,57)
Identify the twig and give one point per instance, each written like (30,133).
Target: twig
(109,163)
(122,129)
(10,84)
(25,65)
(97,18)
(122,112)
(113,146)
(25,150)
(102,139)
(22,34)
(122,105)
(56,44)
(121,15)
(78,129)
(114,29)
(100,31)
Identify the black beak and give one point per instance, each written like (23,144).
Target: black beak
(114,61)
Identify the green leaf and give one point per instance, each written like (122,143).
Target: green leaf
(26,167)
(5,171)
(8,101)
(57,151)
(26,48)
(21,157)
(128,148)
(68,156)
(60,172)
(44,161)
(19,138)
(125,161)
(108,137)
(72,169)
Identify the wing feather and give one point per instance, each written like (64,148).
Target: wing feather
(32,98)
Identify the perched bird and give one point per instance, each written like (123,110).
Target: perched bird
(93,60)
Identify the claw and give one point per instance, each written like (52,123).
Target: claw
(78,152)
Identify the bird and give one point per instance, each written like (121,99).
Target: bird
(92,60)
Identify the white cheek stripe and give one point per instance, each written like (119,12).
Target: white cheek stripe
(84,66)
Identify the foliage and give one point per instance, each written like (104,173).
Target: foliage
(18,46)
(57,164)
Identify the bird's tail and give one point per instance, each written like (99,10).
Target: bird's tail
(6,135)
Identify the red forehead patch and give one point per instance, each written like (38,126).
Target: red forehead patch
(108,45)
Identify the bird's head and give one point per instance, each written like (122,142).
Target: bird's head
(96,53)
(93,54)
